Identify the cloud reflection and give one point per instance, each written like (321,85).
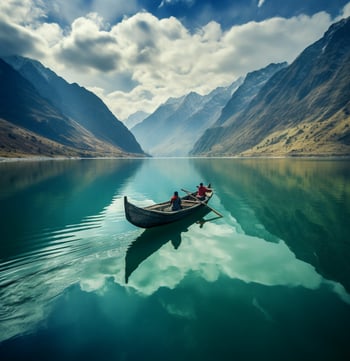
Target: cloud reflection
(215,250)
(221,250)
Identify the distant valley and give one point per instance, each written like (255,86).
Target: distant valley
(174,127)
(180,123)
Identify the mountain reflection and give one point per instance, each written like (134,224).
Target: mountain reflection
(53,194)
(305,202)
(151,240)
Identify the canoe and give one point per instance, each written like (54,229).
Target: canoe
(161,213)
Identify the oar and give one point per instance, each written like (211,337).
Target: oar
(204,203)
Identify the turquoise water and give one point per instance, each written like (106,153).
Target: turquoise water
(268,281)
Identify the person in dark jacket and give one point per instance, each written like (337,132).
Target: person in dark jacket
(175,202)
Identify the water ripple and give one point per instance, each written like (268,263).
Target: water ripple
(54,260)
(57,247)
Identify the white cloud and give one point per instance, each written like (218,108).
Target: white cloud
(254,45)
(24,12)
(89,47)
(346,11)
(16,39)
(52,33)
(261,3)
(20,23)
(141,61)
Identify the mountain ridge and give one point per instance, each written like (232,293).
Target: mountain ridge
(302,110)
(32,99)
(252,84)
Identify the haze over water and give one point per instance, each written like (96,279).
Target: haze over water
(270,280)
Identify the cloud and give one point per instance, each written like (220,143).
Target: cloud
(24,12)
(16,39)
(261,3)
(87,46)
(346,11)
(18,21)
(139,61)
(256,44)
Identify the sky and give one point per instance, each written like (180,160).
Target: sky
(135,54)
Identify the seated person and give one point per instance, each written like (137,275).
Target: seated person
(175,202)
(201,192)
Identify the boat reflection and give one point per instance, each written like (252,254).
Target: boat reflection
(152,239)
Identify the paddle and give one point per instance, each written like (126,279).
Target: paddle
(199,201)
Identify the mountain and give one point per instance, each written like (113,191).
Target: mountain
(78,104)
(29,124)
(304,109)
(135,118)
(252,84)
(175,125)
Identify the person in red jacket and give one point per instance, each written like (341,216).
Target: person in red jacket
(201,190)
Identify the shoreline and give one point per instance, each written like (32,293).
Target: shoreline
(45,159)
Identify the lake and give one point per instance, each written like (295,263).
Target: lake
(270,280)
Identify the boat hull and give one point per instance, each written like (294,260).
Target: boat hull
(148,218)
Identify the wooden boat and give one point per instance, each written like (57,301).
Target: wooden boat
(161,213)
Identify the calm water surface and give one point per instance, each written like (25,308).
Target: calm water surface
(268,281)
